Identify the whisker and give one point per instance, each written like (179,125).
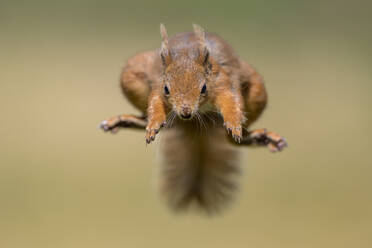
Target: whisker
(210,118)
(202,122)
(205,124)
(198,122)
(174,115)
(170,119)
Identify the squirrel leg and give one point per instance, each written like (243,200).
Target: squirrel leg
(137,77)
(255,99)
(232,114)
(230,104)
(253,92)
(156,113)
(262,137)
(135,83)
(123,121)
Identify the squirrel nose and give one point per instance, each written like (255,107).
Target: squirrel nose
(186,116)
(186,113)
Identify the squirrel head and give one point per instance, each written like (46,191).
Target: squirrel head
(186,73)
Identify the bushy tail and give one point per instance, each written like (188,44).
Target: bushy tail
(198,169)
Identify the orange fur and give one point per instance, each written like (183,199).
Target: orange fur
(196,86)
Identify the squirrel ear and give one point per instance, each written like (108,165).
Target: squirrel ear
(164,50)
(202,40)
(200,33)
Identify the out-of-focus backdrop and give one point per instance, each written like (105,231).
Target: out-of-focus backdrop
(64,183)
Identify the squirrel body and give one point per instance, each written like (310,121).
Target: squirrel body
(205,97)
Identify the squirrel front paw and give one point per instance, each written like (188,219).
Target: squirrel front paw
(235,130)
(151,130)
(123,121)
(110,124)
(273,140)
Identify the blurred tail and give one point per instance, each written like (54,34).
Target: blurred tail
(198,169)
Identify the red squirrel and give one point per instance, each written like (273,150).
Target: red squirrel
(204,98)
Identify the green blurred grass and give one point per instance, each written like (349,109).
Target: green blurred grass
(63,183)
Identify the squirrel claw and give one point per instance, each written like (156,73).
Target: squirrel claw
(236,131)
(109,125)
(150,135)
(237,139)
(152,131)
(272,140)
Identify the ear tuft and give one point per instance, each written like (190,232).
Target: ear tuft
(202,40)
(163,33)
(164,50)
(200,34)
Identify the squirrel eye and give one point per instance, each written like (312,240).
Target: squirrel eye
(204,89)
(166,90)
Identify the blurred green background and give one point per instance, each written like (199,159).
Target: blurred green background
(64,183)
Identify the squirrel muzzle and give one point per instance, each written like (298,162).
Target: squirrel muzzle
(186,112)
